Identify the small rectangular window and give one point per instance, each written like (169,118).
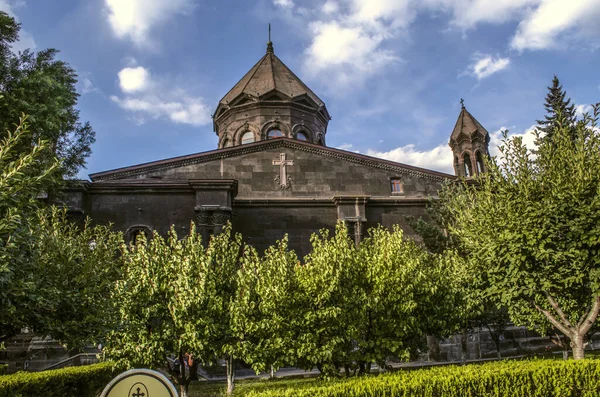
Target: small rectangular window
(397,187)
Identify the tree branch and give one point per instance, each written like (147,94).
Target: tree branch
(591,317)
(562,328)
(558,310)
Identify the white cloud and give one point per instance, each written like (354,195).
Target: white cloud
(284,3)
(555,20)
(467,14)
(134,79)
(353,40)
(345,146)
(486,65)
(330,7)
(147,97)
(496,137)
(85,84)
(580,110)
(440,158)
(184,110)
(25,38)
(340,55)
(134,19)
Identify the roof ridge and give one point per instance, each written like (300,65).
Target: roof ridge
(257,146)
(308,90)
(250,74)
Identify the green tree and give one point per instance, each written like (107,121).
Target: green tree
(43,88)
(22,180)
(468,306)
(325,292)
(533,225)
(176,299)
(162,282)
(560,113)
(397,299)
(267,312)
(75,269)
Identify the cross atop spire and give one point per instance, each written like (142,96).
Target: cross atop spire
(462,103)
(269,43)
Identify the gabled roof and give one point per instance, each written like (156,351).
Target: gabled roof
(467,125)
(267,75)
(213,155)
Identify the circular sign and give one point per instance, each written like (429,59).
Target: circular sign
(140,383)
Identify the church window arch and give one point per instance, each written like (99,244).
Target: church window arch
(479,162)
(247,137)
(135,231)
(274,133)
(301,136)
(468,165)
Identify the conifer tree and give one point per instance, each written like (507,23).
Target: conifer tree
(560,110)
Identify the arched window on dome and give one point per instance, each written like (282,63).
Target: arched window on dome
(301,136)
(274,133)
(248,137)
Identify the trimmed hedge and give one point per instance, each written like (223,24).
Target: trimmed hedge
(536,378)
(83,381)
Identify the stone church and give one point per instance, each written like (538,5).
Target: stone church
(272,173)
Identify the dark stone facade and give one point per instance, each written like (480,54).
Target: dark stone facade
(292,185)
(242,184)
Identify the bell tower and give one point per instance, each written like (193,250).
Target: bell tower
(469,142)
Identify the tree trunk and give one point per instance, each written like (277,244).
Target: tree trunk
(433,347)
(463,346)
(578,346)
(575,332)
(230,375)
(565,354)
(361,368)
(183,390)
(347,370)
(272,376)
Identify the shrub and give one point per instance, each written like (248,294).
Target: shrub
(84,381)
(536,378)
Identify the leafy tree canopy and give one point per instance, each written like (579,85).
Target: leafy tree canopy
(23,177)
(533,224)
(42,87)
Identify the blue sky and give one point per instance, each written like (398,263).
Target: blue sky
(391,72)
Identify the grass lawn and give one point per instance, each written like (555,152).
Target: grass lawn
(217,389)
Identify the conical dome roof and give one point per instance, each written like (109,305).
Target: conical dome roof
(267,75)
(467,125)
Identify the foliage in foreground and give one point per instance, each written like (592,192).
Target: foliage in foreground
(44,88)
(23,177)
(532,226)
(537,378)
(84,381)
(174,300)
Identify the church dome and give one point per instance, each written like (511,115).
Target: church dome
(270,101)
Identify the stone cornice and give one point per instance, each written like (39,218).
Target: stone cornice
(235,151)
(284,202)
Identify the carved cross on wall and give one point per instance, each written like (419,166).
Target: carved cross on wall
(282,179)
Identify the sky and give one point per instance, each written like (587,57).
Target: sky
(391,72)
